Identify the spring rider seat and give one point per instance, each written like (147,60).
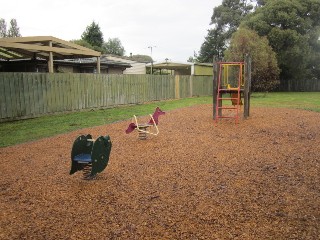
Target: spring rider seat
(90,156)
(142,128)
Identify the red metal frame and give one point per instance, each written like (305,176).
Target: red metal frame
(224,90)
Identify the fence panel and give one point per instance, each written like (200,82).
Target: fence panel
(297,85)
(184,88)
(27,95)
(202,85)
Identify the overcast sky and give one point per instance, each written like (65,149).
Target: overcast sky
(174,28)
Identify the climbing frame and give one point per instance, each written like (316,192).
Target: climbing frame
(232,78)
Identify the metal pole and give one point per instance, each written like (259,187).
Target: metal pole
(151,58)
(215,87)
(247,86)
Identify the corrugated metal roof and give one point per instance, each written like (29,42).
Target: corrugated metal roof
(103,61)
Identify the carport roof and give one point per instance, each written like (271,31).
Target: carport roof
(42,46)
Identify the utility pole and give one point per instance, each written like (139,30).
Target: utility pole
(151,58)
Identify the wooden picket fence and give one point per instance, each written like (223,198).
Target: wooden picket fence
(28,95)
(301,85)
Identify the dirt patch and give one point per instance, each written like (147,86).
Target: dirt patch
(195,180)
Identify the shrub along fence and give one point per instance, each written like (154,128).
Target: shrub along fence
(28,95)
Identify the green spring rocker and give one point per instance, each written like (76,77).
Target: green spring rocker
(90,156)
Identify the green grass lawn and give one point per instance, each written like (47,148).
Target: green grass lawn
(12,133)
(301,100)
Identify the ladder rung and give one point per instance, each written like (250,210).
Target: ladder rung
(227,117)
(226,89)
(228,98)
(227,107)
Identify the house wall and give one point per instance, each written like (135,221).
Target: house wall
(64,69)
(40,66)
(137,68)
(203,70)
(182,72)
(115,71)
(23,66)
(104,71)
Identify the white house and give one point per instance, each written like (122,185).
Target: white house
(136,67)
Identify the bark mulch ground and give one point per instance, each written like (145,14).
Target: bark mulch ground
(258,179)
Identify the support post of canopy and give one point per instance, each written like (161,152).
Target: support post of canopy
(50,61)
(98,65)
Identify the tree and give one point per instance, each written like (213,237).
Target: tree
(93,35)
(3,28)
(82,43)
(261,3)
(14,30)
(191,59)
(229,14)
(265,70)
(293,29)
(214,45)
(92,38)
(226,18)
(141,58)
(114,46)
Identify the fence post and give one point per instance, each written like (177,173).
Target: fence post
(177,86)
(191,85)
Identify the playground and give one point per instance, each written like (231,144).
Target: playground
(197,179)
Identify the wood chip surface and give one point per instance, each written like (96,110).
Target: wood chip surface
(259,179)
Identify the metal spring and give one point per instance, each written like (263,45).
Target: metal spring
(87,171)
(142,135)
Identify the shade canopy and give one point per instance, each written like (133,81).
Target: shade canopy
(46,47)
(27,47)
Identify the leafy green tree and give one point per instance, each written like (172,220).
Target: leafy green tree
(114,46)
(93,35)
(82,43)
(191,59)
(214,45)
(3,28)
(265,70)
(229,14)
(14,30)
(226,19)
(293,29)
(313,65)
(92,38)
(261,3)
(141,58)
